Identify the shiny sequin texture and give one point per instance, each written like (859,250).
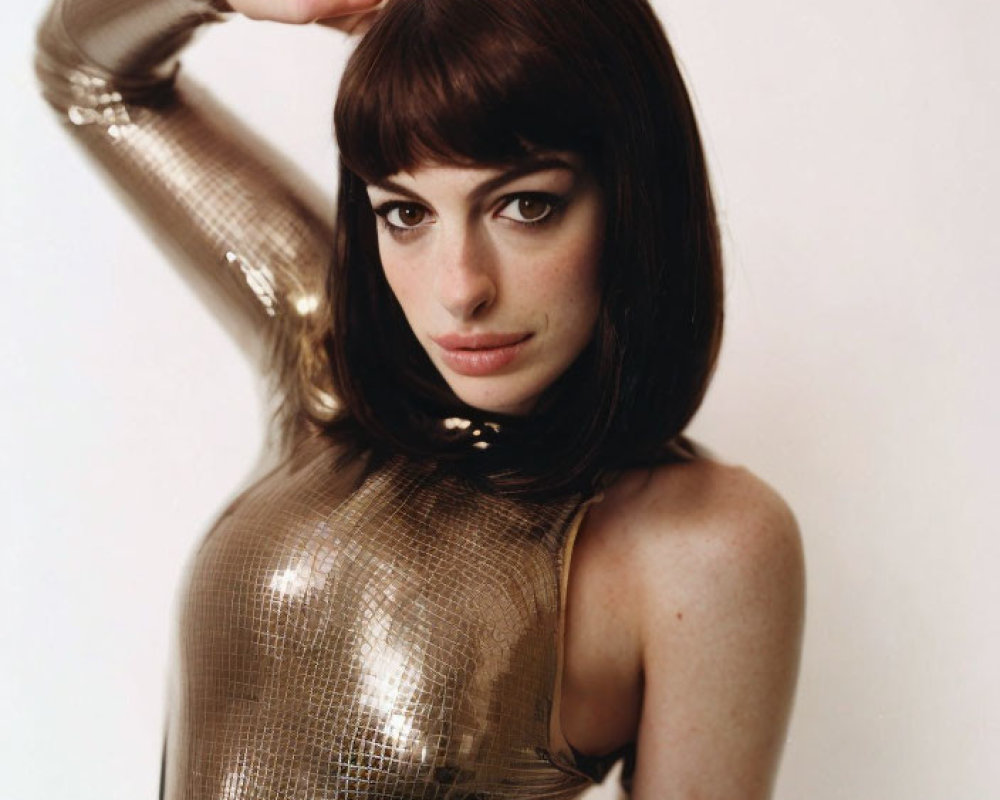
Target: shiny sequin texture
(393,639)
(344,632)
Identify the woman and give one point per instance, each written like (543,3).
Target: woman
(524,311)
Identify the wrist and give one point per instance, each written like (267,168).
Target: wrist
(136,39)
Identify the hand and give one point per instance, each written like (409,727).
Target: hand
(347,15)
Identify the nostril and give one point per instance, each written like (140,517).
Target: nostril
(480,309)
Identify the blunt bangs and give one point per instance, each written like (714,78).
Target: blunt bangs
(461,83)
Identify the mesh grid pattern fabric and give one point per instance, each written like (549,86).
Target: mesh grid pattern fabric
(393,639)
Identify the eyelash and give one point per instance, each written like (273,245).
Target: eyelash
(399,231)
(555,203)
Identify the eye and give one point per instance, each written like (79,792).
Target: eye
(403,216)
(529,208)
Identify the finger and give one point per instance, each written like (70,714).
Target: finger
(301,12)
(354,24)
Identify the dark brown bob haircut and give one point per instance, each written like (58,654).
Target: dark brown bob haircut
(499,83)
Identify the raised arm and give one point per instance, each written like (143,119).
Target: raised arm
(208,187)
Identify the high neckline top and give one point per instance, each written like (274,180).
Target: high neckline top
(392,633)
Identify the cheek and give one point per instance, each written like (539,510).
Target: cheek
(581,253)
(574,283)
(401,277)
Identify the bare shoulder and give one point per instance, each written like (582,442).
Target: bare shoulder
(704,525)
(714,565)
(709,553)
(698,541)
(685,612)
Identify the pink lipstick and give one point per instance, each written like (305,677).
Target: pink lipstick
(479,354)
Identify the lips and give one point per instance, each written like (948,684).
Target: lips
(480,354)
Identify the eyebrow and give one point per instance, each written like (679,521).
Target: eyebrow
(519,170)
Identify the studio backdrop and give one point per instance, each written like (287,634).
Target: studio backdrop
(853,150)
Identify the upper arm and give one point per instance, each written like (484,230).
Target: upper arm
(239,223)
(722,607)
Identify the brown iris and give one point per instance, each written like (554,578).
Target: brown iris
(532,208)
(411,214)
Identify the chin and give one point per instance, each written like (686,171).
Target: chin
(495,399)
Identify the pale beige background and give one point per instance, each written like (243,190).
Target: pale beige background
(853,147)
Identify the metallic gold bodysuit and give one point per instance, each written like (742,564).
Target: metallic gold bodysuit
(345,632)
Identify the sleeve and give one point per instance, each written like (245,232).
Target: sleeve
(223,203)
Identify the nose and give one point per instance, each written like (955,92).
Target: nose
(465,278)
